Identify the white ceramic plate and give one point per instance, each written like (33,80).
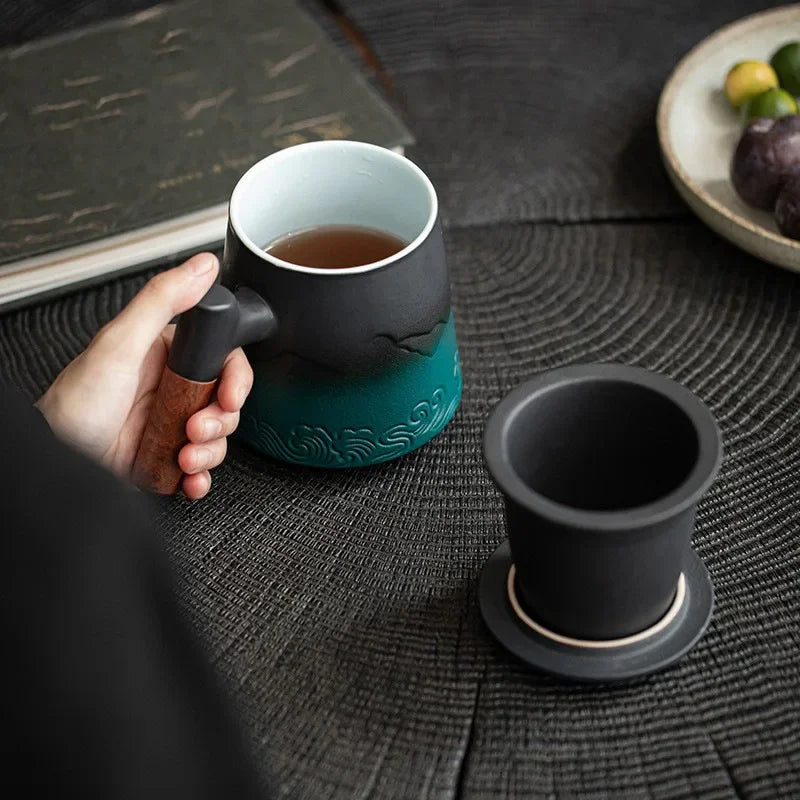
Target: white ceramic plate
(698,132)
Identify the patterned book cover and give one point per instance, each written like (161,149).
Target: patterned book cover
(142,119)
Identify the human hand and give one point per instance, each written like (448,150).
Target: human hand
(101,402)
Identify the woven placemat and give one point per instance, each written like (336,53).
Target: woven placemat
(540,109)
(341,606)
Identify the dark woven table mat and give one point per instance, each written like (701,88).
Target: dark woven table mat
(341,606)
(540,109)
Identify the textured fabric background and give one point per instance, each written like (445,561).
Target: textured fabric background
(341,606)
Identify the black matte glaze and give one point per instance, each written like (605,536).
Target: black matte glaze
(601,467)
(596,665)
(220,322)
(370,320)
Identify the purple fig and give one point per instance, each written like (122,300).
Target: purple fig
(767,155)
(787,208)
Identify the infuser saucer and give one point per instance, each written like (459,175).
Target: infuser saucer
(600,661)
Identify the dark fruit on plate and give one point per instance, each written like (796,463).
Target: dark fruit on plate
(768,154)
(787,209)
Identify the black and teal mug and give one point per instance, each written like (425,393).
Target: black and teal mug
(353,366)
(362,365)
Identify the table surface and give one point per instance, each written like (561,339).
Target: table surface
(341,607)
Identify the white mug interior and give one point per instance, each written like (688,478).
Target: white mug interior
(333,183)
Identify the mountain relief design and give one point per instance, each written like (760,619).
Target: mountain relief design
(423,344)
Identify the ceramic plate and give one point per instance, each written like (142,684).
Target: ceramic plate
(698,132)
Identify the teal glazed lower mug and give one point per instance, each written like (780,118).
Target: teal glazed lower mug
(362,364)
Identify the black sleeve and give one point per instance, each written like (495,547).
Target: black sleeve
(107,692)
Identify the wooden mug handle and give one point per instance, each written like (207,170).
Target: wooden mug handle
(204,336)
(156,465)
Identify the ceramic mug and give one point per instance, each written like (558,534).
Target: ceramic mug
(354,366)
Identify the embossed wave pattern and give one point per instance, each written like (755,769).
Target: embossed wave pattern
(319,446)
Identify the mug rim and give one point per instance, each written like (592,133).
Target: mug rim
(328,144)
(685,495)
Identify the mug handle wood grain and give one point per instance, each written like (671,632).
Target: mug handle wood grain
(204,336)
(177,399)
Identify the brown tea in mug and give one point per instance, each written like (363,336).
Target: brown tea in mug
(335,246)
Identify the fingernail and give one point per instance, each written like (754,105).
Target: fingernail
(202,458)
(200,264)
(243,392)
(211,428)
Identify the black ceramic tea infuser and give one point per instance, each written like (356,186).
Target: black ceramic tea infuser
(601,468)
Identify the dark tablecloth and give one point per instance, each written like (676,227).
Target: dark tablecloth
(341,606)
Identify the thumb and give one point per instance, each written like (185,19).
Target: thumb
(169,293)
